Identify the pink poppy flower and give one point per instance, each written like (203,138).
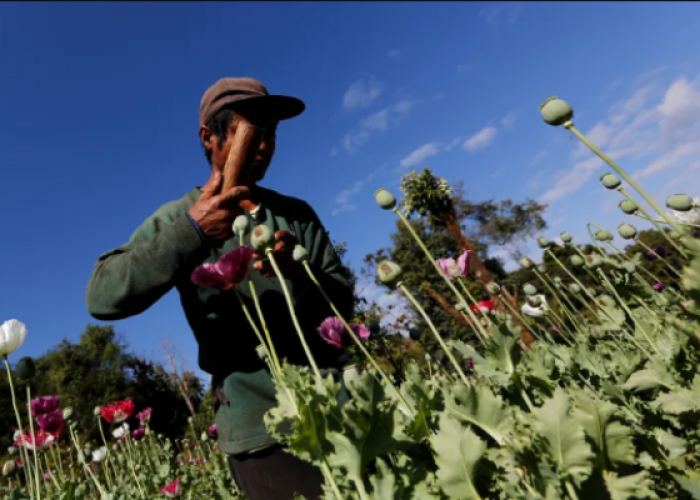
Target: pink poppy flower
(144,416)
(213,431)
(456,269)
(333,331)
(230,270)
(42,440)
(171,490)
(44,404)
(138,434)
(51,422)
(659,286)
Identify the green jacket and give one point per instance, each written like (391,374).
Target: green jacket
(163,252)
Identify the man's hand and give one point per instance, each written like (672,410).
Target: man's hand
(285,241)
(214,211)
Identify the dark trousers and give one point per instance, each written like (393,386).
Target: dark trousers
(273,474)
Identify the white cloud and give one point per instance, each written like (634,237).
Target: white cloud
(342,200)
(395,54)
(573,180)
(480,140)
(680,110)
(420,154)
(599,135)
(343,208)
(508,121)
(376,122)
(361,94)
(454,142)
(537,159)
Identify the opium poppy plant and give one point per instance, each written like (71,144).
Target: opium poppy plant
(230,270)
(117,412)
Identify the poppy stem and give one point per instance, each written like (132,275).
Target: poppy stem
(290,305)
(23,449)
(258,309)
(31,428)
(255,329)
(354,337)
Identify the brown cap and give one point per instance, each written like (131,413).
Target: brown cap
(249,95)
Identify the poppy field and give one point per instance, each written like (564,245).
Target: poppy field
(571,392)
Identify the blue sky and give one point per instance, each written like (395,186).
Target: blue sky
(99,106)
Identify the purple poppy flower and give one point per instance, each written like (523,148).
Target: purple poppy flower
(333,331)
(44,404)
(52,421)
(659,286)
(455,269)
(138,434)
(230,270)
(213,431)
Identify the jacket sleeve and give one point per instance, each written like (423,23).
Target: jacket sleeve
(328,269)
(131,278)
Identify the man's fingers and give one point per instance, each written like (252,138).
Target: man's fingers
(285,241)
(213,185)
(233,196)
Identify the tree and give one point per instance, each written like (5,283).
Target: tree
(443,217)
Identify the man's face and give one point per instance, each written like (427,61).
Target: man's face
(220,151)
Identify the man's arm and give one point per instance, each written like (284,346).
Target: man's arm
(129,279)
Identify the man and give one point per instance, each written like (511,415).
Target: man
(184,234)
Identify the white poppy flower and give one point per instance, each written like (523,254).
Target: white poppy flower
(120,431)
(533,311)
(99,454)
(12,335)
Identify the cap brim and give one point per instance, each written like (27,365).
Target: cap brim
(276,107)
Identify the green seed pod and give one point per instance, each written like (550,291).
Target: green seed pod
(628,206)
(204,438)
(9,468)
(603,235)
(610,181)
(26,368)
(557,280)
(543,243)
(542,268)
(12,451)
(385,199)
(534,300)
(574,288)
(262,238)
(674,235)
(190,420)
(388,272)
(461,307)
(680,202)
(566,238)
(627,231)
(67,413)
(576,261)
(241,225)
(300,254)
(605,300)
(262,352)
(527,263)
(493,288)
(594,261)
(529,289)
(96,411)
(556,112)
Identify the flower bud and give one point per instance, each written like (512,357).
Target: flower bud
(529,289)
(628,206)
(603,235)
(591,292)
(414,333)
(556,112)
(300,254)
(204,437)
(543,243)
(659,286)
(461,307)
(190,420)
(67,413)
(26,368)
(576,260)
(680,202)
(241,225)
(557,280)
(574,288)
(627,231)
(96,411)
(388,272)
(610,181)
(493,288)
(262,238)
(534,300)
(674,235)
(12,451)
(262,352)
(594,261)
(527,263)
(9,468)
(385,199)
(566,238)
